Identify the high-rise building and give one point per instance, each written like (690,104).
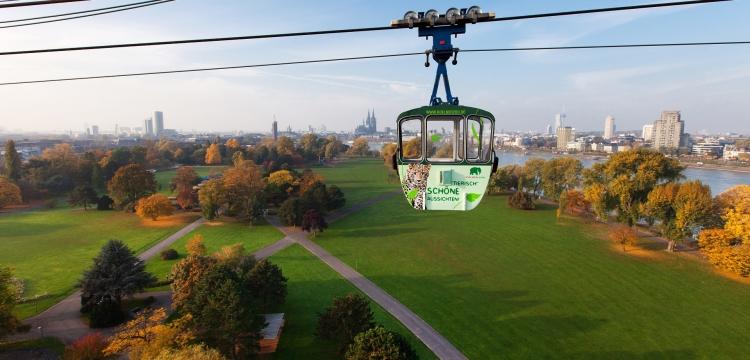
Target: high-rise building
(549,129)
(95,130)
(648,132)
(148,127)
(559,120)
(159,122)
(669,131)
(275,130)
(565,134)
(609,127)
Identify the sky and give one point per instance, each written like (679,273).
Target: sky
(710,85)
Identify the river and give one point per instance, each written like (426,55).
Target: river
(717,180)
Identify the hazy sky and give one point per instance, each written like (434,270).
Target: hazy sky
(524,90)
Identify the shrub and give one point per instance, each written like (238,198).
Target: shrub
(624,235)
(379,343)
(169,254)
(104,203)
(521,200)
(50,204)
(88,347)
(105,313)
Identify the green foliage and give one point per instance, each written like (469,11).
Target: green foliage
(222,313)
(185,274)
(560,174)
(267,285)
(628,177)
(344,319)
(521,200)
(169,254)
(380,344)
(130,183)
(211,196)
(8,298)
(104,203)
(12,168)
(336,199)
(83,196)
(291,212)
(115,274)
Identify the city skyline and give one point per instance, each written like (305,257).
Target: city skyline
(523,90)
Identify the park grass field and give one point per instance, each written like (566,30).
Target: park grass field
(50,249)
(312,285)
(217,234)
(359,179)
(504,283)
(164,177)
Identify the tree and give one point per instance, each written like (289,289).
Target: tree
(222,313)
(195,245)
(290,212)
(192,352)
(725,251)
(624,235)
(185,274)
(281,178)
(560,174)
(314,222)
(267,285)
(344,319)
(573,202)
(146,336)
(380,344)
(87,347)
(596,195)
(12,161)
(130,183)
(232,144)
(10,193)
(8,298)
(183,183)
(84,196)
(360,147)
(154,206)
(533,170)
(336,199)
(308,180)
(231,254)
(115,274)
(284,146)
(734,207)
(104,203)
(680,209)
(213,155)
(387,152)
(242,186)
(211,196)
(629,177)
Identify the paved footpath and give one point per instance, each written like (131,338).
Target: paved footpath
(439,345)
(63,320)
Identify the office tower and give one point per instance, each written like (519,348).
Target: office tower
(95,130)
(565,135)
(559,121)
(275,130)
(669,131)
(549,129)
(148,127)
(159,120)
(609,127)
(648,132)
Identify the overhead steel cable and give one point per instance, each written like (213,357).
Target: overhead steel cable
(338,31)
(34,3)
(151,3)
(329,60)
(74,12)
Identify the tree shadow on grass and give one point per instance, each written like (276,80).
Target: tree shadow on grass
(631,355)
(373,232)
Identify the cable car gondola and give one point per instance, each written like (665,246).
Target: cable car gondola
(445,153)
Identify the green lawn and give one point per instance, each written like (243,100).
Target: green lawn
(312,286)
(164,177)
(53,344)
(50,249)
(217,234)
(359,179)
(503,283)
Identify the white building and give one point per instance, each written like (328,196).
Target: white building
(609,127)
(158,123)
(669,131)
(648,132)
(559,121)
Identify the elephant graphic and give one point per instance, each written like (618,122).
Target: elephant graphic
(475,171)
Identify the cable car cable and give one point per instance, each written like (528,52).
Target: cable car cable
(336,31)
(34,3)
(87,15)
(73,13)
(313,61)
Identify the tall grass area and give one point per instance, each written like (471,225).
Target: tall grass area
(359,179)
(505,283)
(164,177)
(217,234)
(311,288)
(50,249)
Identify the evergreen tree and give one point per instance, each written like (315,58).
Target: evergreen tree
(12,161)
(83,196)
(344,319)
(380,344)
